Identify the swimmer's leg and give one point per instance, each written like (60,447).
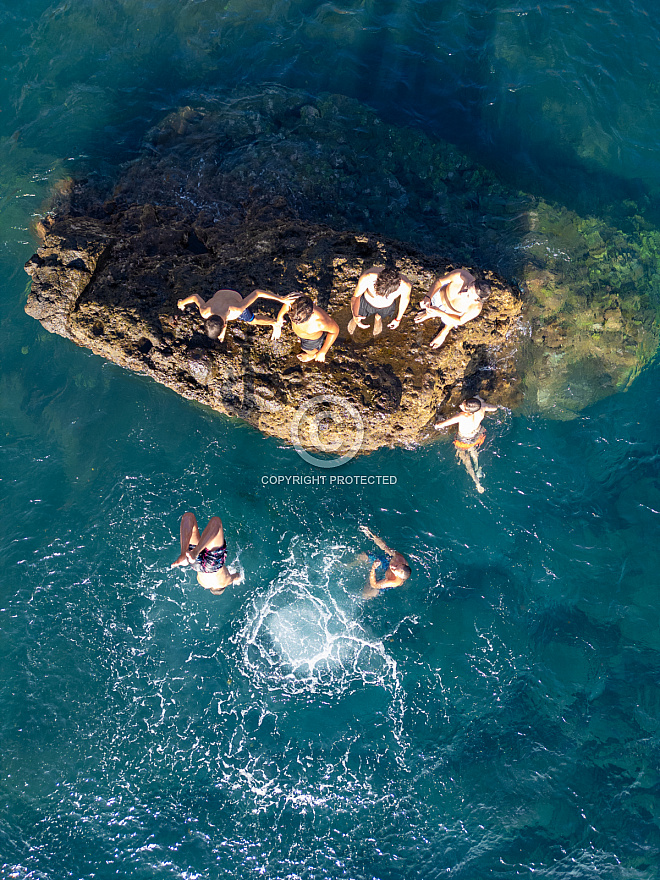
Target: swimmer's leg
(189,534)
(474,455)
(212,536)
(467,464)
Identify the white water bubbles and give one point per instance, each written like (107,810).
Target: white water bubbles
(305,635)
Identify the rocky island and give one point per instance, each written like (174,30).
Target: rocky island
(113,285)
(283,193)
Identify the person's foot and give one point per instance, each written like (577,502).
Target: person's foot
(378,325)
(436,343)
(480,489)
(307,356)
(182,560)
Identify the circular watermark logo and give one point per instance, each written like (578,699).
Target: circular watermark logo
(329,425)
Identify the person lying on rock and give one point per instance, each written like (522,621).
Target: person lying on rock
(471,434)
(314,327)
(205,553)
(456,299)
(376,293)
(389,569)
(229,305)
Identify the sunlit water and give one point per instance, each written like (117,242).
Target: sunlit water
(499,715)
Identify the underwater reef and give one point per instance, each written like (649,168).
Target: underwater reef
(284,191)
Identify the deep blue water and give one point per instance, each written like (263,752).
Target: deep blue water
(497,717)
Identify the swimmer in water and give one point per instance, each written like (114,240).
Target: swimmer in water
(206,553)
(389,569)
(470,435)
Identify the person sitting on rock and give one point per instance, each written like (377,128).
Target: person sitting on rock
(206,553)
(470,435)
(376,293)
(455,298)
(389,569)
(315,328)
(229,305)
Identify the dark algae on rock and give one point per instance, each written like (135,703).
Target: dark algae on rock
(285,192)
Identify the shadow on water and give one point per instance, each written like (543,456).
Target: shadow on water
(492,82)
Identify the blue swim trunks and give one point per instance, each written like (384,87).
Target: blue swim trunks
(247,316)
(384,564)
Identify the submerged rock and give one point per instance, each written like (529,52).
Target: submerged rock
(112,285)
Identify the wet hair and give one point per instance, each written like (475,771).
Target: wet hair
(405,570)
(214,326)
(472,404)
(483,290)
(301,309)
(387,282)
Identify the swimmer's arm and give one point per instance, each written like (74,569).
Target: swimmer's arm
(443,281)
(373,583)
(404,300)
(218,591)
(428,305)
(454,420)
(377,541)
(258,293)
(331,328)
(277,326)
(195,299)
(435,287)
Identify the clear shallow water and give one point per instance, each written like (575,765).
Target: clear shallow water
(497,717)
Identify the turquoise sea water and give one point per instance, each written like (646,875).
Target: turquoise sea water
(497,717)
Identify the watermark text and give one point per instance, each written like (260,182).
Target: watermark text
(329,480)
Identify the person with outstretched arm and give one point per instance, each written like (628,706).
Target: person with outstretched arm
(389,568)
(228,305)
(471,434)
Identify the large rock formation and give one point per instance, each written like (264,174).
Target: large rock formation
(111,284)
(278,190)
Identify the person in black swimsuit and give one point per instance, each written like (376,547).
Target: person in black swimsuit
(382,292)
(206,553)
(312,325)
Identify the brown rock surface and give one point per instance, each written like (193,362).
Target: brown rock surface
(111,284)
